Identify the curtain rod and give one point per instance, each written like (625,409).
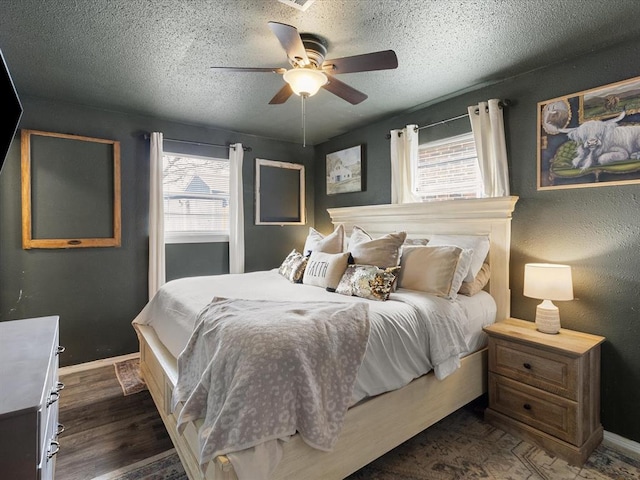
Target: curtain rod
(501,104)
(246,149)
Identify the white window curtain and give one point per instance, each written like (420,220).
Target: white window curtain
(236,210)
(404,160)
(487,124)
(157,276)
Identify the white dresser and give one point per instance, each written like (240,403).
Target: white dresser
(29,392)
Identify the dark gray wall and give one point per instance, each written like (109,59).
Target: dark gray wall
(98,291)
(595,230)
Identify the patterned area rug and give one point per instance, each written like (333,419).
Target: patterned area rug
(128,374)
(459,447)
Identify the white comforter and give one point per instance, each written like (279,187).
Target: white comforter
(398,351)
(410,334)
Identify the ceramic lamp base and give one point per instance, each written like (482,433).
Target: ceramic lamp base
(547,318)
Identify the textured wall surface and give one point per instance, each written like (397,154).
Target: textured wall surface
(595,230)
(98,291)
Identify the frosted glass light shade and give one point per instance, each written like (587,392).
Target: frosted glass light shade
(548,282)
(305,81)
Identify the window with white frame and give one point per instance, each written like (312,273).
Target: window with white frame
(448,169)
(196,198)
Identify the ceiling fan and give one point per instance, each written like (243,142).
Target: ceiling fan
(310,71)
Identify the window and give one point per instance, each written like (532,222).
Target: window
(448,169)
(196,199)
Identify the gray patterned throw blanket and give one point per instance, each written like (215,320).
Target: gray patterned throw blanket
(262,370)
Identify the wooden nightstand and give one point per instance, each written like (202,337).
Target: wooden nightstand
(546,388)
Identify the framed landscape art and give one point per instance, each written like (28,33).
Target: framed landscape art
(590,138)
(344,171)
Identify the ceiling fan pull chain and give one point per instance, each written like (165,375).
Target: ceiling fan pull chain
(304,120)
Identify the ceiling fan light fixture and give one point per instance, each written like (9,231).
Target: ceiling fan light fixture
(305,81)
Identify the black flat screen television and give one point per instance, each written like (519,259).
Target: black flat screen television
(10,108)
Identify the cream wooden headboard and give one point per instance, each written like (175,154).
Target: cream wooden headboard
(481,216)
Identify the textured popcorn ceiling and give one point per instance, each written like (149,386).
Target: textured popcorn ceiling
(153,56)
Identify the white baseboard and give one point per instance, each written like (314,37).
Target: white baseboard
(624,445)
(81,367)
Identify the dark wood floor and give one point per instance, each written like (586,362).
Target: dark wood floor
(105,430)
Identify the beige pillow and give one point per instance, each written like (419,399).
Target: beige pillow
(435,270)
(481,280)
(317,242)
(325,269)
(383,252)
(478,243)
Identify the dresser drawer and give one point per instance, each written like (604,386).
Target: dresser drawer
(549,371)
(544,411)
(28,419)
(49,403)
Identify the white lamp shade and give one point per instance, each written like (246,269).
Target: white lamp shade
(305,81)
(548,281)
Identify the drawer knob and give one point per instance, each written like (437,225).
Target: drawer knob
(60,349)
(54,448)
(60,429)
(59,386)
(527,366)
(527,406)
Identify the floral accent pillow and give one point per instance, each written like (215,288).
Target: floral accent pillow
(368,281)
(293,266)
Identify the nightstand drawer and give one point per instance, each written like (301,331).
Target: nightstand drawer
(549,371)
(546,412)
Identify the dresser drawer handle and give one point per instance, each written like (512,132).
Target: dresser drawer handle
(53,398)
(60,349)
(527,366)
(54,448)
(527,406)
(60,429)
(59,386)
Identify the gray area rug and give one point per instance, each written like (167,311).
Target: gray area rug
(461,446)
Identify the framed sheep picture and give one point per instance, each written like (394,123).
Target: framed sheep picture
(344,171)
(590,138)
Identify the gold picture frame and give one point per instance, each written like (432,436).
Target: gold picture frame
(590,138)
(70,191)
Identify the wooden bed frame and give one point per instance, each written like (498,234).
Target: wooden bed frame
(379,424)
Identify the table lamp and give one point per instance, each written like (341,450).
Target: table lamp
(548,282)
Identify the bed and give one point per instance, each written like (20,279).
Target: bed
(384,416)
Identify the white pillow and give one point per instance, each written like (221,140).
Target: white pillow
(478,243)
(317,242)
(325,269)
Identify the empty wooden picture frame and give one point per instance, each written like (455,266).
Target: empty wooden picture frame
(70,191)
(280,193)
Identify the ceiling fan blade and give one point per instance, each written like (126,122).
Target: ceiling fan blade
(291,42)
(367,62)
(282,96)
(252,69)
(344,91)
